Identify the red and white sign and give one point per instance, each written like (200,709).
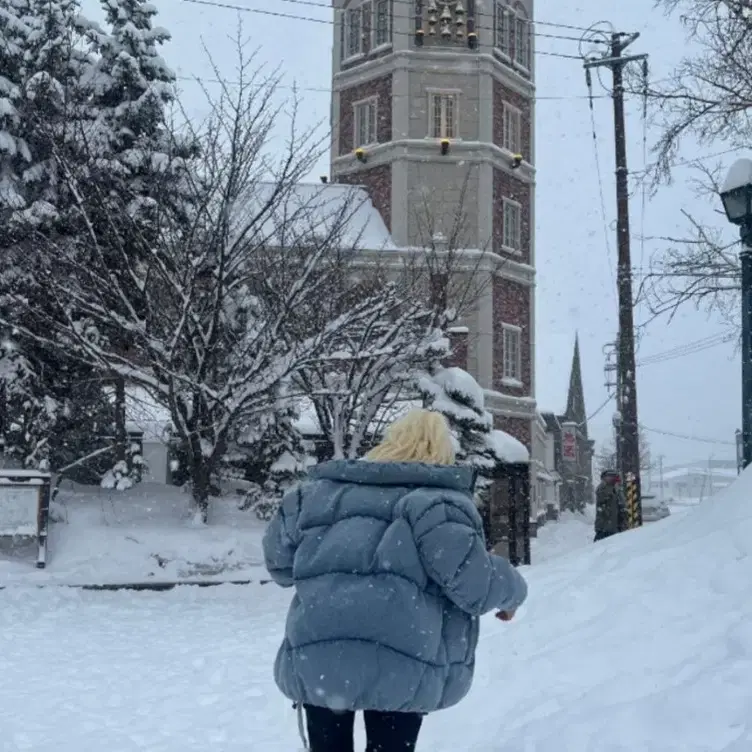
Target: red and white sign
(569,443)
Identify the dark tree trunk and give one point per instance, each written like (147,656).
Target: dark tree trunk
(121,428)
(200,481)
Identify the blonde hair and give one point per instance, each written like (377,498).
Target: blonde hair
(419,436)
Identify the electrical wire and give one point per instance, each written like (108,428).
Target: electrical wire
(607,237)
(329,90)
(332,22)
(599,409)
(645,75)
(409,3)
(693,161)
(686,437)
(682,351)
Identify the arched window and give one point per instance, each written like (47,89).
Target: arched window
(522,39)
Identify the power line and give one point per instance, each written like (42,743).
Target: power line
(689,348)
(331,22)
(699,439)
(329,90)
(409,3)
(689,162)
(599,409)
(606,234)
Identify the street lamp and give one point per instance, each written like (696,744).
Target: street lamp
(736,194)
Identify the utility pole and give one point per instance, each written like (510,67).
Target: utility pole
(629,444)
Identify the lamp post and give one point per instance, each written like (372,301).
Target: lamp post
(736,194)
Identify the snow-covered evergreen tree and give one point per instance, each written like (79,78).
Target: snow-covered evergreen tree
(53,409)
(15,155)
(131,88)
(458,396)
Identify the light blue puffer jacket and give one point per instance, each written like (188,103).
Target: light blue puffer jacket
(391,575)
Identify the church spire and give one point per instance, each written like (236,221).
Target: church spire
(576,397)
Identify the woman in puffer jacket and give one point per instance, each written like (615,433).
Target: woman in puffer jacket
(391,574)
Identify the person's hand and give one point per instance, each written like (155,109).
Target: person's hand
(505,615)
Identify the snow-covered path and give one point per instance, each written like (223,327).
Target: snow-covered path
(641,643)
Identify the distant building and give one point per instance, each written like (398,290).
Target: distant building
(544,496)
(573,449)
(693,481)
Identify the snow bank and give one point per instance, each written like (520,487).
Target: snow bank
(142,534)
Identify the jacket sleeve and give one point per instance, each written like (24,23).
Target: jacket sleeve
(281,541)
(453,553)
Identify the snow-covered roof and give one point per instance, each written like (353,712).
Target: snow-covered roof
(307,422)
(316,210)
(699,472)
(512,450)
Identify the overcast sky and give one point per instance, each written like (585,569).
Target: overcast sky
(695,395)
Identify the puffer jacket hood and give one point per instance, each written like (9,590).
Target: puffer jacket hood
(391,575)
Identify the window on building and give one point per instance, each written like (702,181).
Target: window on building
(522,39)
(365,25)
(443,115)
(502,27)
(354,34)
(512,226)
(511,138)
(512,353)
(382,24)
(364,122)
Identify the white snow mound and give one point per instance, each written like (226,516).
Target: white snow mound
(642,642)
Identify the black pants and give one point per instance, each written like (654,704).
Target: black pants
(332,731)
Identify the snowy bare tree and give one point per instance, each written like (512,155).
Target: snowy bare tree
(177,307)
(709,94)
(706,99)
(374,366)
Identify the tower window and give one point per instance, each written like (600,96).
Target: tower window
(353,34)
(512,33)
(511,353)
(382,23)
(512,226)
(365,26)
(522,40)
(511,137)
(364,122)
(501,28)
(443,115)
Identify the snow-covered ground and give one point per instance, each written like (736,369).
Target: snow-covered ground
(141,535)
(570,532)
(642,642)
